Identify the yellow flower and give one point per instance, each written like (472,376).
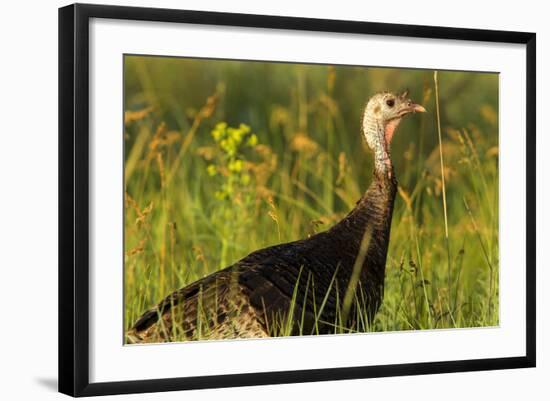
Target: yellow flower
(221,126)
(245,179)
(216,134)
(212,170)
(252,140)
(235,134)
(219,131)
(244,128)
(235,165)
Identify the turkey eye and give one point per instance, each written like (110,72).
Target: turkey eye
(390,102)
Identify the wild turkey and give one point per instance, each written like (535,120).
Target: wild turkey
(309,282)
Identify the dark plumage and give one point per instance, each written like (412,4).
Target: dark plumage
(322,272)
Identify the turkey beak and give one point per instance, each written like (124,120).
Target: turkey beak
(417,108)
(410,107)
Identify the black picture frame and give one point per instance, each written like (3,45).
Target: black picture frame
(74,198)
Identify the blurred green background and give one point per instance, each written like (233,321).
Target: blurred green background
(191,209)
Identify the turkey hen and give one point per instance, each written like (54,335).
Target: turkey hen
(311,283)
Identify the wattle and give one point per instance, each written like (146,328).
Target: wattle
(390,129)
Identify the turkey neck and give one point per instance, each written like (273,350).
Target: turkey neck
(379,137)
(371,217)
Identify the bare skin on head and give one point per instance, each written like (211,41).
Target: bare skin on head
(381,118)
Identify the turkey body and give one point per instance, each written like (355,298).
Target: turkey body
(248,298)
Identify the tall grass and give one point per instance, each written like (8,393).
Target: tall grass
(306,170)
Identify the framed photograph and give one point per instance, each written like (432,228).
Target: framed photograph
(250,199)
